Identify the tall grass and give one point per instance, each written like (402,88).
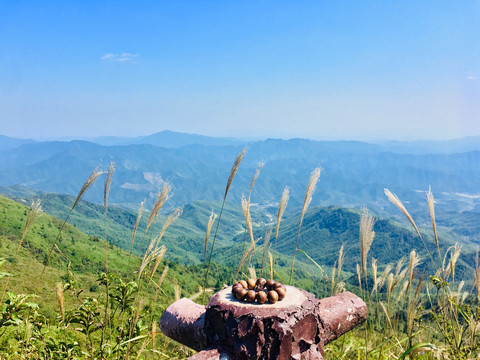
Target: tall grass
(233,171)
(312,185)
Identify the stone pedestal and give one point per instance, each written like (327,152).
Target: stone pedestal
(298,327)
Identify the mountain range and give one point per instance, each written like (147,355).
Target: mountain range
(354,174)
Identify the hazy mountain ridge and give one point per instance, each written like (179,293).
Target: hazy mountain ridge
(354,173)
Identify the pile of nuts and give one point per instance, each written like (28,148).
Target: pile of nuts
(260,290)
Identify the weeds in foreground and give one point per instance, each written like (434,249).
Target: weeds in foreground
(410,317)
(115,324)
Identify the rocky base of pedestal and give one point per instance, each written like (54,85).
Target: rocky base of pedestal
(296,328)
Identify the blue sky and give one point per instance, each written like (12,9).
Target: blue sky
(324,70)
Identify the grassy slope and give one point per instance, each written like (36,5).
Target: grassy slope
(85,253)
(322,234)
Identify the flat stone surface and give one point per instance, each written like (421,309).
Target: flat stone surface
(294,299)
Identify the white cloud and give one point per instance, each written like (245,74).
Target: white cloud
(123,57)
(472,77)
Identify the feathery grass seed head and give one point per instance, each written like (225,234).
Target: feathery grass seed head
(366,237)
(211,220)
(61,299)
(236,165)
(281,208)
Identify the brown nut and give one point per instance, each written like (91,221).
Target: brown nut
(261,282)
(243,283)
(250,297)
(261,297)
(251,284)
(240,295)
(235,288)
(270,284)
(272,296)
(277,285)
(281,293)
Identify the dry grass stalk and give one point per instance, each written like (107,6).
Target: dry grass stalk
(396,201)
(257,173)
(399,278)
(162,196)
(248,220)
(236,165)
(459,290)
(431,209)
(387,316)
(412,307)
(339,288)
(242,261)
(33,213)
(454,254)
(341,258)
(312,185)
(108,184)
(106,192)
(150,254)
(386,273)
(477,275)
(238,161)
(159,258)
(414,262)
(137,315)
(374,275)
(61,299)
(359,278)
(390,281)
(252,273)
(366,237)
(399,266)
(211,220)
(405,285)
(281,208)
(92,178)
(270,262)
(178,290)
(268,235)
(154,332)
(160,281)
(139,216)
(170,220)
(333,278)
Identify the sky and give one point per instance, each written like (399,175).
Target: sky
(362,70)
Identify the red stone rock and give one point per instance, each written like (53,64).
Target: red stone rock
(296,328)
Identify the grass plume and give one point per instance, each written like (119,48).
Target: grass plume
(160,281)
(281,210)
(61,299)
(312,185)
(162,196)
(233,171)
(248,221)
(366,237)
(254,179)
(92,178)
(396,201)
(268,235)
(139,216)
(211,220)
(33,213)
